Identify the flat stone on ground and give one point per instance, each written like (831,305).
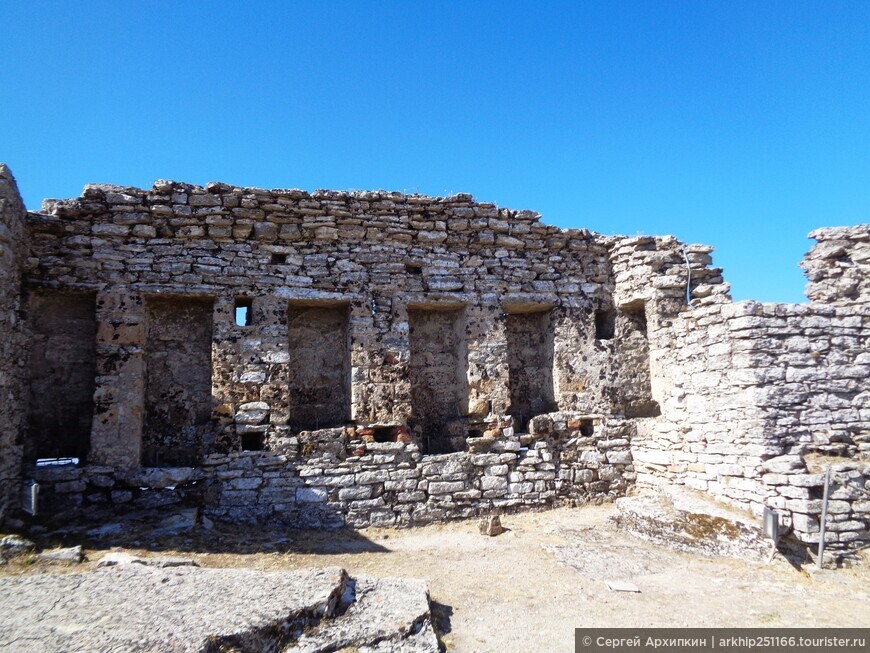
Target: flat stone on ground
(153,610)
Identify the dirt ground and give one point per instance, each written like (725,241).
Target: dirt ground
(528,588)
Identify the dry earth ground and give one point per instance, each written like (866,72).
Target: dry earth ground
(527,589)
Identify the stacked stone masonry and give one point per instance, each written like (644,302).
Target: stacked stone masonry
(759,399)
(355,358)
(382,484)
(13,376)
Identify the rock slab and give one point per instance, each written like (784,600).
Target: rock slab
(139,607)
(148,609)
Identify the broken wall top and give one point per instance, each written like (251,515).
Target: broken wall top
(838,265)
(203,239)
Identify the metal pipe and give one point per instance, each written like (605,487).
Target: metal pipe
(688,277)
(824,518)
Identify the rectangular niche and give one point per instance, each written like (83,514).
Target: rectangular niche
(633,347)
(530,363)
(319,365)
(605,324)
(178,371)
(62,374)
(437,374)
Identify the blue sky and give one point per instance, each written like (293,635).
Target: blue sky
(742,125)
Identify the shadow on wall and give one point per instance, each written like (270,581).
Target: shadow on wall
(182,528)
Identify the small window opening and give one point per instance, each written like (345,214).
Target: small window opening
(243,312)
(587,430)
(605,324)
(384,434)
(253,441)
(413,269)
(279,259)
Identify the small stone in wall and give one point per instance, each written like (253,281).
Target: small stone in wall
(491,526)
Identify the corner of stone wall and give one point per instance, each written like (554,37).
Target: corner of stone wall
(13,252)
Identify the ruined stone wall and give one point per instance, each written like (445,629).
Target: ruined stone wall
(428,289)
(757,399)
(386,329)
(838,266)
(567,458)
(13,395)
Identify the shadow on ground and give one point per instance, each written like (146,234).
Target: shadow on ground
(185,531)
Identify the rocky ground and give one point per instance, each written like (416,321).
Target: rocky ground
(526,589)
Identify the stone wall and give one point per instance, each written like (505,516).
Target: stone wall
(838,266)
(178,403)
(13,395)
(568,458)
(758,399)
(422,290)
(406,359)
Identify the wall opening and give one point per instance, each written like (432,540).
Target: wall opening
(178,400)
(253,441)
(587,428)
(244,311)
(62,375)
(319,365)
(530,365)
(634,352)
(384,433)
(437,373)
(278,258)
(605,324)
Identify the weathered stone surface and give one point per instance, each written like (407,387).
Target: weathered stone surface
(69,554)
(838,266)
(13,352)
(143,605)
(689,521)
(385,614)
(134,607)
(114,558)
(14,545)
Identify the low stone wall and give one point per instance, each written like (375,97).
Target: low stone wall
(387,484)
(13,248)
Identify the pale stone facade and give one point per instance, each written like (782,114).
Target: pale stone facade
(339,358)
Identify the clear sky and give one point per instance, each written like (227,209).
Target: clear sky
(742,125)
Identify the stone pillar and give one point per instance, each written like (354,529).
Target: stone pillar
(119,399)
(578,360)
(380,356)
(487,371)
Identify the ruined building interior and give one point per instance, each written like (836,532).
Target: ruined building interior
(372,358)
